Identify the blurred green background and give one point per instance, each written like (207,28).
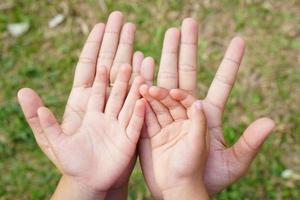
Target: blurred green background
(268,83)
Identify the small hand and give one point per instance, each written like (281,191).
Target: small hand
(178,137)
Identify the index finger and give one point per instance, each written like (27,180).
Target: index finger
(224,79)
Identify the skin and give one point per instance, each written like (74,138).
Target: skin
(178,69)
(178,132)
(233,161)
(97,53)
(95,153)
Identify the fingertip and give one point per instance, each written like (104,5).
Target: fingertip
(22,92)
(198,105)
(189,22)
(238,40)
(98,26)
(149,59)
(96,33)
(267,122)
(172,32)
(114,22)
(138,54)
(238,44)
(116,14)
(147,70)
(27,96)
(130,26)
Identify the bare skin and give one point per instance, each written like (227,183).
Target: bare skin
(233,161)
(97,52)
(178,69)
(179,142)
(96,152)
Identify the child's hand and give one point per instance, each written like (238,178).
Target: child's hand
(178,135)
(95,152)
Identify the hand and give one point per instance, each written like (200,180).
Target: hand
(97,151)
(178,70)
(179,142)
(110,45)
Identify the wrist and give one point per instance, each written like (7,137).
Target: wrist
(69,188)
(189,191)
(119,193)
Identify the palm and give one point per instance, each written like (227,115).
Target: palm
(178,69)
(174,149)
(177,134)
(98,146)
(100,49)
(217,171)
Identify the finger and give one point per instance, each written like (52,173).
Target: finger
(50,126)
(118,92)
(30,102)
(124,50)
(85,69)
(188,56)
(224,79)
(184,97)
(130,101)
(248,145)
(110,40)
(97,97)
(136,122)
(168,72)
(137,61)
(199,127)
(162,114)
(151,122)
(147,70)
(176,110)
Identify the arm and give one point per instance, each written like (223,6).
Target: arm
(69,189)
(193,191)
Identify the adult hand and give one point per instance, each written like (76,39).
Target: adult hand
(107,45)
(178,69)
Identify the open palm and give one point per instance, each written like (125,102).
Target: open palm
(109,45)
(102,146)
(177,135)
(178,69)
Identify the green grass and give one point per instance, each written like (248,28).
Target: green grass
(268,82)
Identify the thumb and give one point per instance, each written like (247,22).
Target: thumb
(199,126)
(50,126)
(248,145)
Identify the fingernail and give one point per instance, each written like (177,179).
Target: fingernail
(199,105)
